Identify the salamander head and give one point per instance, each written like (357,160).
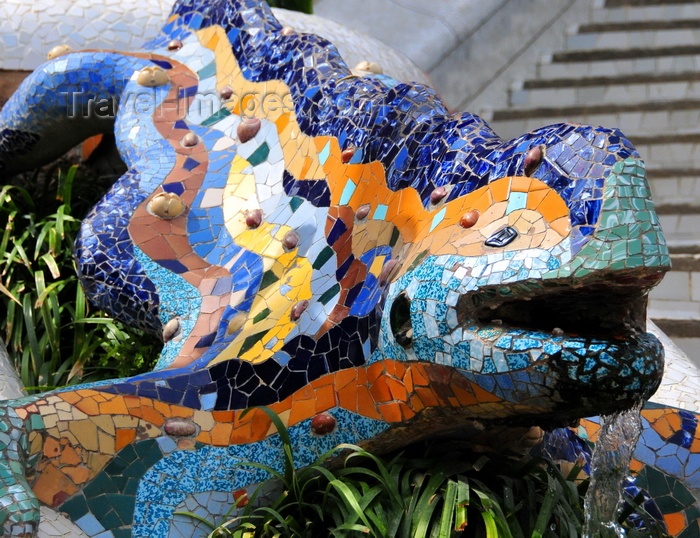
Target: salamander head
(534,287)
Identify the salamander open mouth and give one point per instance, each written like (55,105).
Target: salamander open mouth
(597,313)
(584,347)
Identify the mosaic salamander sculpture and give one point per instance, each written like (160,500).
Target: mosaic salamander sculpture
(341,249)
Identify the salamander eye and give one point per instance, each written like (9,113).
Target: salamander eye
(502,237)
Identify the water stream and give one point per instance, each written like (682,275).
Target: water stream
(609,466)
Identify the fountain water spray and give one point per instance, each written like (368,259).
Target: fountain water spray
(619,434)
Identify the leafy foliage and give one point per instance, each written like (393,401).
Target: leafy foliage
(305,6)
(52,336)
(438,489)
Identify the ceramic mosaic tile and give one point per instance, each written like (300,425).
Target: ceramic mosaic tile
(341,249)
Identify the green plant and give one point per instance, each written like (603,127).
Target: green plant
(52,336)
(433,489)
(305,6)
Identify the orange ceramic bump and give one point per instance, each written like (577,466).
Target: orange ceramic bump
(469,219)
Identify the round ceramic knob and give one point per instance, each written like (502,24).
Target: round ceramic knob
(437,195)
(166,205)
(369,67)
(323,424)
(253,218)
(179,427)
(290,240)
(190,140)
(387,270)
(236,323)
(347,154)
(58,50)
(226,92)
(287,30)
(247,129)
(152,77)
(533,160)
(469,219)
(175,44)
(298,309)
(363,211)
(171,329)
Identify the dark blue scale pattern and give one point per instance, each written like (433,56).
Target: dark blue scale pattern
(111,276)
(407,127)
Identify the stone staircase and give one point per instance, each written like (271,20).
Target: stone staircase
(635,64)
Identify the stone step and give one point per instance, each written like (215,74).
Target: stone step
(641,117)
(681,284)
(674,305)
(612,80)
(646,11)
(641,3)
(621,43)
(690,23)
(547,68)
(684,332)
(681,230)
(612,94)
(674,187)
(625,53)
(667,150)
